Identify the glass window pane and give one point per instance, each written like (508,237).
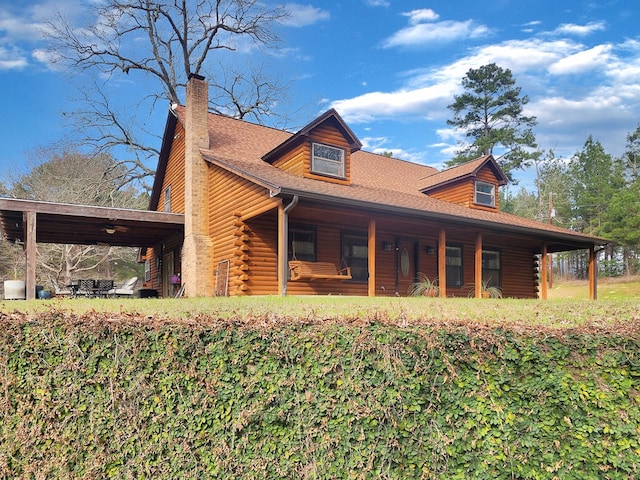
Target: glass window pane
(485,193)
(355,254)
(327,160)
(302,243)
(491,272)
(454,266)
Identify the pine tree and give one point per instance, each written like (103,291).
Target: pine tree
(490,113)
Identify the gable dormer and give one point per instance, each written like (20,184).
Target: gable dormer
(473,184)
(321,150)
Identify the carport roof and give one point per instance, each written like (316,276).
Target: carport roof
(88,225)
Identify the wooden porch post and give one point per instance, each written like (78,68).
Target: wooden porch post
(593,276)
(30,253)
(478,266)
(372,258)
(543,273)
(442,263)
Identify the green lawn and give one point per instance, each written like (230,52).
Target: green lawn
(617,288)
(567,308)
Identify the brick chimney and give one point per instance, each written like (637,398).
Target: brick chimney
(197,264)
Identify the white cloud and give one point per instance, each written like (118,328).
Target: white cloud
(22,30)
(303,15)
(378,3)
(421,15)
(579,30)
(427,92)
(568,122)
(435,33)
(376,105)
(424,31)
(15,28)
(519,56)
(568,110)
(48,58)
(583,61)
(12,59)
(12,64)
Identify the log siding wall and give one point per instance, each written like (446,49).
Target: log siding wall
(238,237)
(298,160)
(174,173)
(463,191)
(174,177)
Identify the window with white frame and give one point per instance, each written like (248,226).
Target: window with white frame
(147,270)
(485,194)
(327,160)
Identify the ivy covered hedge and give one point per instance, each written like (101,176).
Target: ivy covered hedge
(87,397)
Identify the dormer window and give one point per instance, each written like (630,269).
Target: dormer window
(485,194)
(328,161)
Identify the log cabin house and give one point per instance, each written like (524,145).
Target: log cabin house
(269,212)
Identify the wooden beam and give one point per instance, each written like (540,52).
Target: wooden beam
(372,258)
(30,253)
(107,213)
(543,273)
(442,263)
(593,277)
(478,266)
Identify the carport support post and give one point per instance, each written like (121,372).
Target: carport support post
(30,253)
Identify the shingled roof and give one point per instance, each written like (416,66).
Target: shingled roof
(378,182)
(465,170)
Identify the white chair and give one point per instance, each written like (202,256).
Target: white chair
(62,292)
(125,290)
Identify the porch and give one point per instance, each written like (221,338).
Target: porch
(386,251)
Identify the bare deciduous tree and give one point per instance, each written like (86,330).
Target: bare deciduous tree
(165,41)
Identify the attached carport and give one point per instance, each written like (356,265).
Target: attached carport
(30,222)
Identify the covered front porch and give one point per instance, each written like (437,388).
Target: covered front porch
(385,252)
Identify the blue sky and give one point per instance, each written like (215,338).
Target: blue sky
(389,67)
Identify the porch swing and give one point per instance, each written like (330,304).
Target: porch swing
(302,270)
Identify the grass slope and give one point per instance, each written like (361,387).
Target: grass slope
(616,288)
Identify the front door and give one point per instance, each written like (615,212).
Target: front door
(405,265)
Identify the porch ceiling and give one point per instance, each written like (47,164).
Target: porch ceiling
(422,226)
(88,225)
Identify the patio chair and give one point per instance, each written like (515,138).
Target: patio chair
(61,292)
(125,290)
(102,287)
(85,287)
